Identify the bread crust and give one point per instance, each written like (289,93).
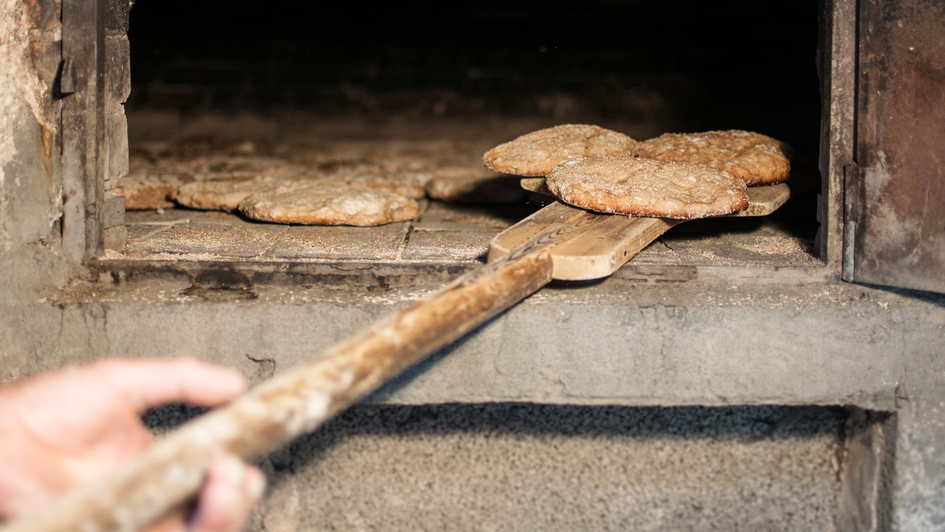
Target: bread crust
(623,184)
(329,205)
(752,157)
(537,153)
(226,194)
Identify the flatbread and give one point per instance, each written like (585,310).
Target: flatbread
(329,205)
(537,153)
(149,184)
(147,192)
(226,194)
(755,158)
(625,184)
(473,185)
(377,176)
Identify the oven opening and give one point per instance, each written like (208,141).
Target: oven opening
(223,90)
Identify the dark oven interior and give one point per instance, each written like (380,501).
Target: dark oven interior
(227,81)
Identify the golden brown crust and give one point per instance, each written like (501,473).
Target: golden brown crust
(219,178)
(538,152)
(329,205)
(146,193)
(226,194)
(377,176)
(624,184)
(149,185)
(755,158)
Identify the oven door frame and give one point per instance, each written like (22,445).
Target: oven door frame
(95,83)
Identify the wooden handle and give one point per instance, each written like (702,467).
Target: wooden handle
(170,473)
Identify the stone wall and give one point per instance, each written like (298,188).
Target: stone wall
(34,83)
(30,181)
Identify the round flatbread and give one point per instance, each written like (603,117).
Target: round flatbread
(644,187)
(377,176)
(226,194)
(150,184)
(473,185)
(147,192)
(329,205)
(538,152)
(755,158)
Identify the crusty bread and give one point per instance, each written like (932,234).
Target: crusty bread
(148,191)
(226,194)
(625,184)
(329,205)
(538,152)
(377,176)
(755,158)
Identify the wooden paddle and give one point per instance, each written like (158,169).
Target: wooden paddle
(608,241)
(557,242)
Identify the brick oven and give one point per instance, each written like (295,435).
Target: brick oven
(776,373)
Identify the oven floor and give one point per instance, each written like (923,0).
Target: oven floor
(443,233)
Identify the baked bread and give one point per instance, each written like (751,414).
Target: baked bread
(329,205)
(537,153)
(147,192)
(376,176)
(150,184)
(755,158)
(226,194)
(624,184)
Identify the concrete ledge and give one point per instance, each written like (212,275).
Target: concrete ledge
(671,340)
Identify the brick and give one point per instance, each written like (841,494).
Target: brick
(339,243)
(114,213)
(117,68)
(116,145)
(116,16)
(115,237)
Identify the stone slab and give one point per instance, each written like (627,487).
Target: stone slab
(225,241)
(622,341)
(340,243)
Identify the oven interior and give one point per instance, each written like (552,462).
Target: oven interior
(227,82)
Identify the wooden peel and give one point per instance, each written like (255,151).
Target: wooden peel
(610,240)
(557,242)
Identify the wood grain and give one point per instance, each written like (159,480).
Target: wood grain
(608,241)
(166,477)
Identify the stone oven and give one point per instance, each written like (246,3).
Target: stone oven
(777,373)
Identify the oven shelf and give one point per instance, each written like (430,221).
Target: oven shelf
(442,234)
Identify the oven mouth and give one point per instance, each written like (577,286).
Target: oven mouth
(228,78)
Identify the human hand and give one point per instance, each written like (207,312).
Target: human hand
(64,429)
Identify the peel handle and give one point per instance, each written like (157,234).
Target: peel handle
(169,474)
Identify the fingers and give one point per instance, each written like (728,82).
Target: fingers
(231,491)
(153,382)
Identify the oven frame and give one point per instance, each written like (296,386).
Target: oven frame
(95,83)
(95,150)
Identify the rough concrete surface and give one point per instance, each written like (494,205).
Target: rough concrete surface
(620,341)
(542,467)
(659,337)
